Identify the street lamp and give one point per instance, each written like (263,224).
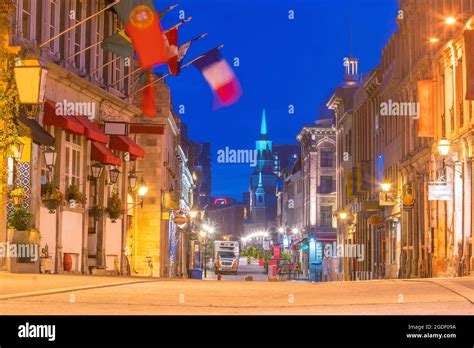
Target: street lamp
(132,180)
(386,186)
(30,78)
(142,188)
(96,170)
(450,20)
(434,40)
(49,157)
(281,230)
(443,147)
(343,215)
(113,176)
(193,213)
(294,230)
(18,151)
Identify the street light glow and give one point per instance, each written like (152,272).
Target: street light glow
(386,186)
(443,147)
(450,20)
(255,235)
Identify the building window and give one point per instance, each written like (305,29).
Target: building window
(54,24)
(326,158)
(326,184)
(26,19)
(326,216)
(73,159)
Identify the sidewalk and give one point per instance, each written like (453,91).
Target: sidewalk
(19,285)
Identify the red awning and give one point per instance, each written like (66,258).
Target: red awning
(125,144)
(143,128)
(103,155)
(92,132)
(65,122)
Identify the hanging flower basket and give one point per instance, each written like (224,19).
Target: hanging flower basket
(52,198)
(97,211)
(114,215)
(52,205)
(114,207)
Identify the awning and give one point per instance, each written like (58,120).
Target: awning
(92,132)
(38,134)
(125,144)
(103,155)
(143,128)
(65,122)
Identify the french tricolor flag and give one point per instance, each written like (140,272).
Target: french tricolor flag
(220,77)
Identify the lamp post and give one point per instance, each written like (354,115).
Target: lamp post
(203,235)
(444,147)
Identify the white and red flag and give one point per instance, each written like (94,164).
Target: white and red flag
(220,77)
(172,45)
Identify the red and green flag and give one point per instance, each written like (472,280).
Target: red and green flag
(142,25)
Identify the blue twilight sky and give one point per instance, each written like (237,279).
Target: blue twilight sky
(282,62)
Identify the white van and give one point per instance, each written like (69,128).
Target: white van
(226,256)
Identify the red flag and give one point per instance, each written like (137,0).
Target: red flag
(149,98)
(142,24)
(426,97)
(173,57)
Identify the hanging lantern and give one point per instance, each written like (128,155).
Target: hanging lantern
(30,78)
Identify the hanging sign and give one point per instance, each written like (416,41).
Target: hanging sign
(440,192)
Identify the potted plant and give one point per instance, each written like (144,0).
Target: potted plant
(114,207)
(73,194)
(97,211)
(18,196)
(52,197)
(20,220)
(20,225)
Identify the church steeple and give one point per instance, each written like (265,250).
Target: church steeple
(260,192)
(263,128)
(264,145)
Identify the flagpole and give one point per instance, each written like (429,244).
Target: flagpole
(104,65)
(83,50)
(183,66)
(124,77)
(200,57)
(78,24)
(179,24)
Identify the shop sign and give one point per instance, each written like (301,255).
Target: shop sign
(408,201)
(440,192)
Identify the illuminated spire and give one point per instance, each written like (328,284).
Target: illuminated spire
(263,129)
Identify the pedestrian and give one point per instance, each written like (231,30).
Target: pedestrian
(325,269)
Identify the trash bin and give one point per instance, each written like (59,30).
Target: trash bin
(196,273)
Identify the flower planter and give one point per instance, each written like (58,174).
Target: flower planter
(114,215)
(96,212)
(52,205)
(34,237)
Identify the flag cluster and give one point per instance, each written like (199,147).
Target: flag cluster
(144,39)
